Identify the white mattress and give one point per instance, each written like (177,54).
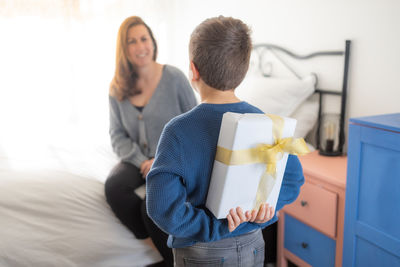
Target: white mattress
(56,218)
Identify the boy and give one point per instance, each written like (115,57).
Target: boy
(177,184)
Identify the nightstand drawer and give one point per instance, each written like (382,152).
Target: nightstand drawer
(308,244)
(316,207)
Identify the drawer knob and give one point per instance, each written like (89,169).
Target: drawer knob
(304,245)
(303,203)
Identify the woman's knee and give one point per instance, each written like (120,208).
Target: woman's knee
(121,184)
(124,174)
(115,182)
(111,190)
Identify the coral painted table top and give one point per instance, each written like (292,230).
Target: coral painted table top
(331,169)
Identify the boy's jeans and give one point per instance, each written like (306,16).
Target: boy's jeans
(242,251)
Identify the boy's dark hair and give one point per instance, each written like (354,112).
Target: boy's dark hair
(220,49)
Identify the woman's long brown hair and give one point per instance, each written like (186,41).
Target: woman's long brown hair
(123,84)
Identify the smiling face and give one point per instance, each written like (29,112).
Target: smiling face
(140,46)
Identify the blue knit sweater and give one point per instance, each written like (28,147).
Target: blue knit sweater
(178,182)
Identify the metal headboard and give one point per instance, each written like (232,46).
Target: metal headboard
(261,48)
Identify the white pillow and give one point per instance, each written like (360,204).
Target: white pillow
(275,96)
(306,115)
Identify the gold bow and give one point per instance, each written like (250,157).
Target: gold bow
(267,154)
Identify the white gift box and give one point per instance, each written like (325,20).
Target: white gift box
(234,186)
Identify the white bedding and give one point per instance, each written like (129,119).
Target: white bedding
(55,218)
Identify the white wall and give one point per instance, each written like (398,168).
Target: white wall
(56,66)
(306,26)
(75,62)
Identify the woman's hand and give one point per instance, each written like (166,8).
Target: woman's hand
(145,167)
(236,216)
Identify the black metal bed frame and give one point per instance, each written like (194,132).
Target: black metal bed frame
(322,92)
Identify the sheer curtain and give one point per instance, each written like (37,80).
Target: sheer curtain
(56,63)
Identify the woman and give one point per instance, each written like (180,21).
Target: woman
(144,96)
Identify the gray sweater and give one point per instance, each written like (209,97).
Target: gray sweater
(134,134)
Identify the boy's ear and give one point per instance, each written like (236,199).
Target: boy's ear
(195,72)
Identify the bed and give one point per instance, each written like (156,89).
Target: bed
(58,216)
(52,206)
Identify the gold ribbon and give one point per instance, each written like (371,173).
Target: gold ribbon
(267,154)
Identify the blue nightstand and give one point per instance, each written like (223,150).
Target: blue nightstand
(372,212)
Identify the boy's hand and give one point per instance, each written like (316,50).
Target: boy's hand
(235,218)
(264,214)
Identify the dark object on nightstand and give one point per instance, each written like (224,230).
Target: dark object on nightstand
(330,135)
(330,129)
